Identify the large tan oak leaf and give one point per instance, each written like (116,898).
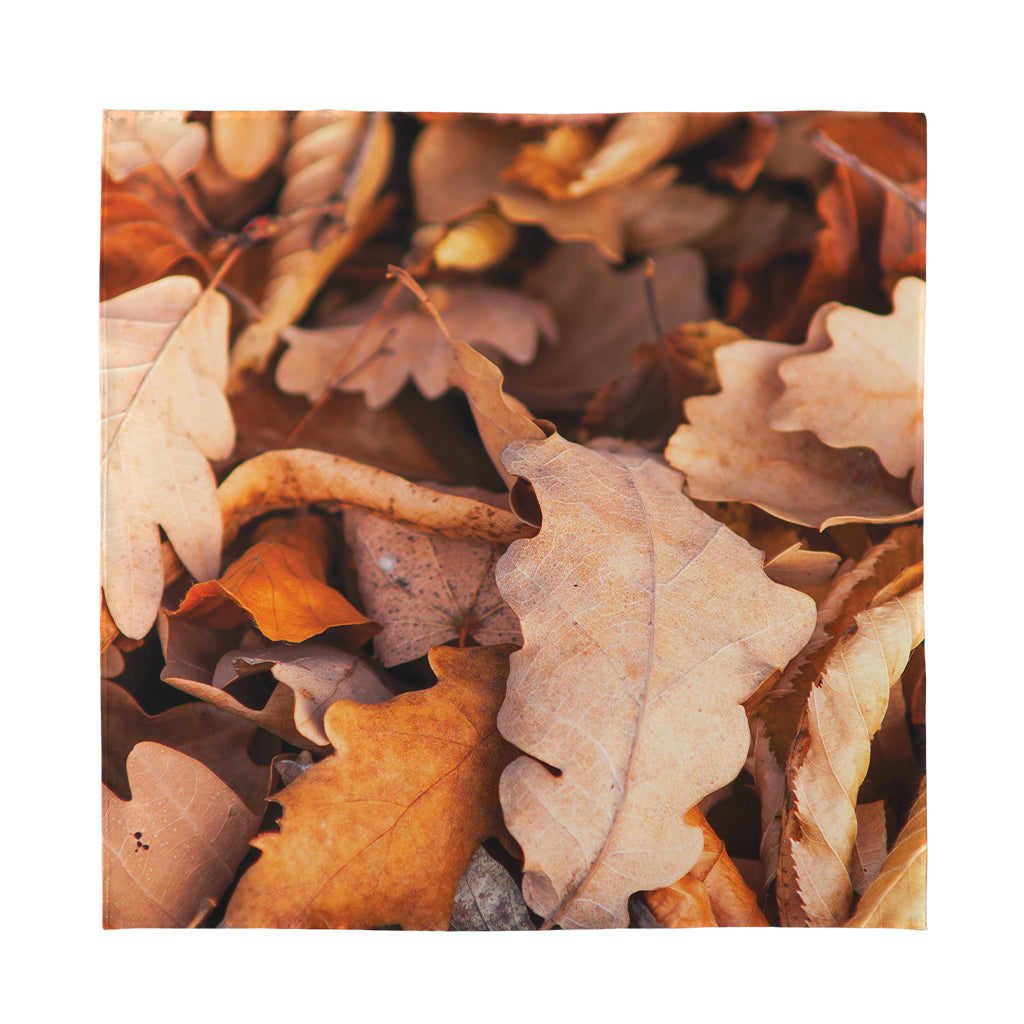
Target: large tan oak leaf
(381,832)
(164,363)
(868,388)
(645,624)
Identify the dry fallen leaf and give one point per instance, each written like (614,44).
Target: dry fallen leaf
(164,359)
(171,851)
(341,158)
(487,900)
(213,737)
(630,693)
(381,832)
(405,342)
(279,584)
(318,676)
(729,451)
(426,590)
(602,317)
(829,760)
(867,389)
(247,142)
(712,894)
(896,898)
(133,139)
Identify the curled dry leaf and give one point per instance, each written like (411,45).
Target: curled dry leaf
(279,584)
(729,451)
(711,894)
(829,760)
(477,242)
(318,676)
(164,363)
(427,590)
(381,832)
(342,158)
(247,142)
(192,656)
(213,737)
(896,898)
(802,569)
(133,139)
(405,342)
(867,389)
(633,701)
(869,848)
(487,900)
(603,318)
(172,850)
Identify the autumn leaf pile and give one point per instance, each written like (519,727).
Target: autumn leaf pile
(512,522)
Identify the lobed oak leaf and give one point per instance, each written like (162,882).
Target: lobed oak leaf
(405,342)
(866,390)
(337,159)
(829,760)
(602,318)
(135,138)
(164,368)
(381,832)
(279,584)
(216,739)
(487,900)
(896,898)
(630,692)
(172,850)
(730,452)
(427,590)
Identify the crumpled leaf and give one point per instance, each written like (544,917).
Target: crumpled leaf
(318,676)
(867,389)
(192,655)
(487,900)
(829,760)
(729,451)
(336,157)
(426,590)
(135,138)
(869,847)
(405,342)
(247,142)
(634,698)
(280,585)
(213,737)
(711,894)
(381,832)
(603,318)
(172,850)
(164,360)
(896,898)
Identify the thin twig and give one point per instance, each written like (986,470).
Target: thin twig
(652,299)
(836,152)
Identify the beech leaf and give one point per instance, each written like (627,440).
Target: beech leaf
(164,351)
(171,851)
(427,590)
(629,692)
(381,832)
(829,760)
(896,898)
